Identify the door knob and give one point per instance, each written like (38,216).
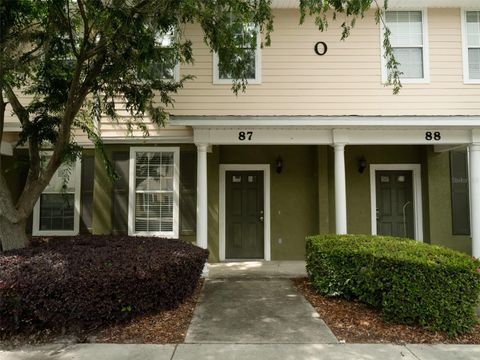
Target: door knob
(261,218)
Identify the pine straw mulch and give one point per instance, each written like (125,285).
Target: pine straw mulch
(354,322)
(164,327)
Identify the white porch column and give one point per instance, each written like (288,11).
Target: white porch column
(474,151)
(340,190)
(202,205)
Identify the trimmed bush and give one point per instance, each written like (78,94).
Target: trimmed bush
(92,280)
(412,282)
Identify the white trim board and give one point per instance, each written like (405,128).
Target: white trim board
(417,195)
(315,136)
(266,204)
(327,122)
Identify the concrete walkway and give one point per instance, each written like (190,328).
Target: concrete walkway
(248,311)
(245,351)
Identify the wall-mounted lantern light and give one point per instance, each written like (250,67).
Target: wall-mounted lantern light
(279,164)
(362,164)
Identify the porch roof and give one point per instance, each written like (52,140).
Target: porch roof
(329,121)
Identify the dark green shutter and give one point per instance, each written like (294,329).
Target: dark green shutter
(460,192)
(88,172)
(120,193)
(188,192)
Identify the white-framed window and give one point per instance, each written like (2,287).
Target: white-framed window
(471,46)
(154,191)
(409,39)
(57,211)
(253,72)
(169,68)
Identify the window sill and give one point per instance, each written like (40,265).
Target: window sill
(55,233)
(230,82)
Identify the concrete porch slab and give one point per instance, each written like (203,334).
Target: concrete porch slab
(257,269)
(249,311)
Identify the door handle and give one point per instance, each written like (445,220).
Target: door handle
(377,213)
(405,218)
(261,218)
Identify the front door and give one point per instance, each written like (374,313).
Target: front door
(244,215)
(395,203)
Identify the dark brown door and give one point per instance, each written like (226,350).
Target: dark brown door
(244,215)
(395,203)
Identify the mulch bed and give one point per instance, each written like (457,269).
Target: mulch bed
(354,322)
(165,327)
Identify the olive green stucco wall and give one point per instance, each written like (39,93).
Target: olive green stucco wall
(440,205)
(302,196)
(102,192)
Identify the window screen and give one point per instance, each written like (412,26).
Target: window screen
(57,201)
(407,41)
(165,67)
(155,192)
(245,35)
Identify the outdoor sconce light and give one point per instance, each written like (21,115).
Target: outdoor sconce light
(279,165)
(362,164)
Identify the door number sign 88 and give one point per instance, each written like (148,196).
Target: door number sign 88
(436,136)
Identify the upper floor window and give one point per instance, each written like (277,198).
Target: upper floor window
(471,46)
(167,66)
(57,211)
(410,44)
(251,54)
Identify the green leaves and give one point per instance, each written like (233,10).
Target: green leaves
(412,282)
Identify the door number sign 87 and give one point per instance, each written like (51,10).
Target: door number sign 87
(245,135)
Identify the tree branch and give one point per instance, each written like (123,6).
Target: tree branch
(17,107)
(70,32)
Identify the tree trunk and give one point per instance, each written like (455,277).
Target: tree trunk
(12,235)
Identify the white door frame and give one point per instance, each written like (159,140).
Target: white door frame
(266,204)
(417,194)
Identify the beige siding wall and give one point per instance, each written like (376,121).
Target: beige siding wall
(346,81)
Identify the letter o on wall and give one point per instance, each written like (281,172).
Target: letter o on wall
(321,48)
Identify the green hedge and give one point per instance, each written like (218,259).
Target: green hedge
(412,282)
